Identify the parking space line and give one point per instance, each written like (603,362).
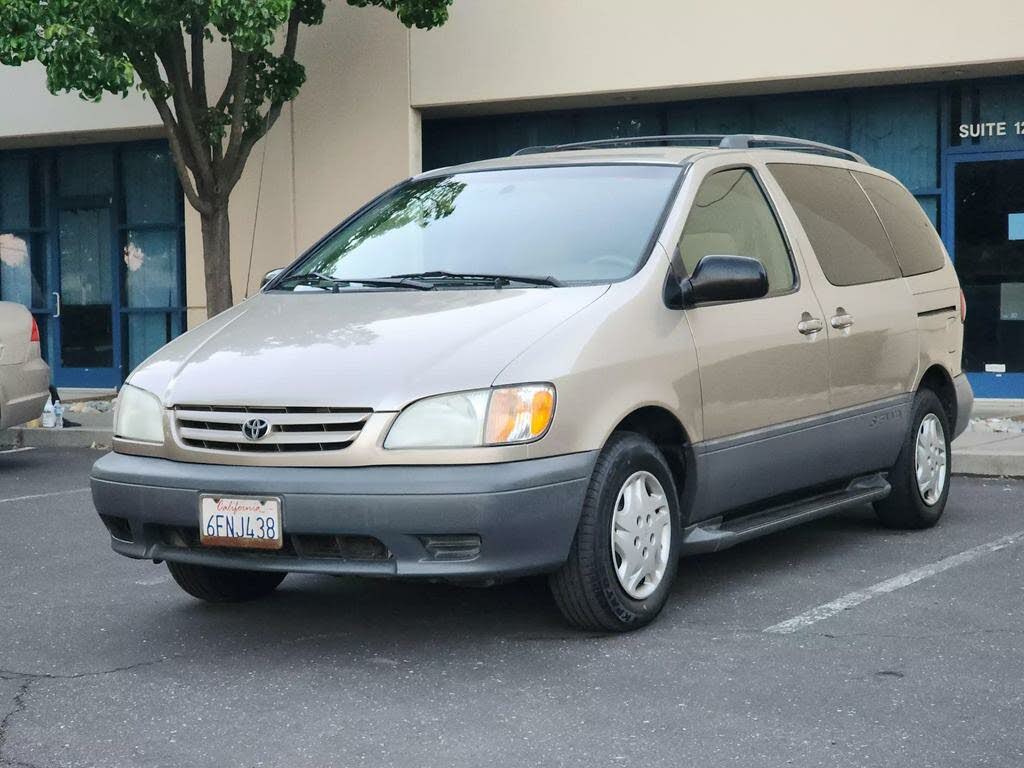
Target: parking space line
(827,610)
(42,495)
(4,451)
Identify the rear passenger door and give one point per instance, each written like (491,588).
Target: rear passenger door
(869,311)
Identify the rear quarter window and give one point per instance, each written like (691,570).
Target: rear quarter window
(844,231)
(917,244)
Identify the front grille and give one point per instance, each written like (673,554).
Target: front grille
(291,430)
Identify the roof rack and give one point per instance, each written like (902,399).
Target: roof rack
(722,141)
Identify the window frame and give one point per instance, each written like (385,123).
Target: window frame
(678,269)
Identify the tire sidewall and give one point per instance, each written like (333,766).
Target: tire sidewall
(926,403)
(633,454)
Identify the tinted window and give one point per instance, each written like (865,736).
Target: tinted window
(731,217)
(844,231)
(917,244)
(572,223)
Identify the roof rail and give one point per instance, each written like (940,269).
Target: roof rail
(722,141)
(671,140)
(764,141)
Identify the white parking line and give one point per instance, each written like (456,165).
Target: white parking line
(852,599)
(42,495)
(16,450)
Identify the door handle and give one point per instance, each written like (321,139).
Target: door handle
(810,326)
(841,321)
(56,295)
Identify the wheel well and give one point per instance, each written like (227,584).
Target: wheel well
(938,380)
(665,431)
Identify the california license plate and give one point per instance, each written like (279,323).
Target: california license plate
(228,521)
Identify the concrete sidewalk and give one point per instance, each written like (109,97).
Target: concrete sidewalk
(992,445)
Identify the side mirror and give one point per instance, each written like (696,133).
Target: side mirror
(270,276)
(725,278)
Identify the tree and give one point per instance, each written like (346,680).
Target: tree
(94,47)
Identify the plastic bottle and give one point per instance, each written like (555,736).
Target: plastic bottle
(58,415)
(49,418)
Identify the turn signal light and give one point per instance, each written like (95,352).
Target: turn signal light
(518,414)
(35,330)
(963,307)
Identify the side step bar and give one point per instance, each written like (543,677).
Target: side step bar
(716,534)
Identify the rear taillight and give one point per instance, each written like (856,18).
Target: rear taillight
(963,307)
(35,331)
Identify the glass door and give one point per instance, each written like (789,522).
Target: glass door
(84,308)
(988,249)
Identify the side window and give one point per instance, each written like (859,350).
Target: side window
(731,217)
(844,231)
(917,244)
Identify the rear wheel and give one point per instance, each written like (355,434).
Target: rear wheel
(920,477)
(224,585)
(625,553)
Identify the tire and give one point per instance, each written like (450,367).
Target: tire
(224,585)
(908,507)
(587,589)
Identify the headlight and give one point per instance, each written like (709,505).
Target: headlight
(139,415)
(500,416)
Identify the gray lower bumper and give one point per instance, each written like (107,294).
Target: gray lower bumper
(964,403)
(523,513)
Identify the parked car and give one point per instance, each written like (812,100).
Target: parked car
(24,376)
(584,361)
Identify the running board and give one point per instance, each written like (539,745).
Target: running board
(716,534)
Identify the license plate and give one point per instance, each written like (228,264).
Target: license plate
(228,521)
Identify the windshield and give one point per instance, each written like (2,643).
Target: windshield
(569,224)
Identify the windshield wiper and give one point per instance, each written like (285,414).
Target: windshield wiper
(319,280)
(497,280)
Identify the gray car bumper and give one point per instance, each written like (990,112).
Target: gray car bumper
(964,403)
(477,521)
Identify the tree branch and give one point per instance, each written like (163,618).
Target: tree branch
(238,97)
(198,63)
(241,143)
(149,74)
(172,56)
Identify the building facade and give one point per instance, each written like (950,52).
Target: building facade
(95,237)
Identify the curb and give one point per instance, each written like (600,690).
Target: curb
(68,437)
(988,464)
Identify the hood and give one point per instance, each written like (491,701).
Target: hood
(360,349)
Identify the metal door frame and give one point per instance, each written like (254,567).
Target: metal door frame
(1002,385)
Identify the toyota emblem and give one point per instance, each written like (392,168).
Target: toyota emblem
(255,429)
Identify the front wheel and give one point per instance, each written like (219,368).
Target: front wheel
(920,477)
(224,585)
(625,554)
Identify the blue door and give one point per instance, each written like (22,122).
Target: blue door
(985,211)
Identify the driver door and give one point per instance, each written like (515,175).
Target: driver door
(763,362)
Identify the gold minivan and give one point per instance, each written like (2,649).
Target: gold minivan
(584,361)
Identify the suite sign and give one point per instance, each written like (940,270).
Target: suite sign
(986,130)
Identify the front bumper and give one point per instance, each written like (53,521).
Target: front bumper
(521,515)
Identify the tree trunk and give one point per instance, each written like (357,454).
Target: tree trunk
(217,259)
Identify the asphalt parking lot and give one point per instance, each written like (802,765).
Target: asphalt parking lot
(884,649)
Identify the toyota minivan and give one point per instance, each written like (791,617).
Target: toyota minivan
(583,361)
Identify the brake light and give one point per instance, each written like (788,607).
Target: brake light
(963,307)
(35,330)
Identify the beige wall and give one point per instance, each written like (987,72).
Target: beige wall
(538,49)
(30,114)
